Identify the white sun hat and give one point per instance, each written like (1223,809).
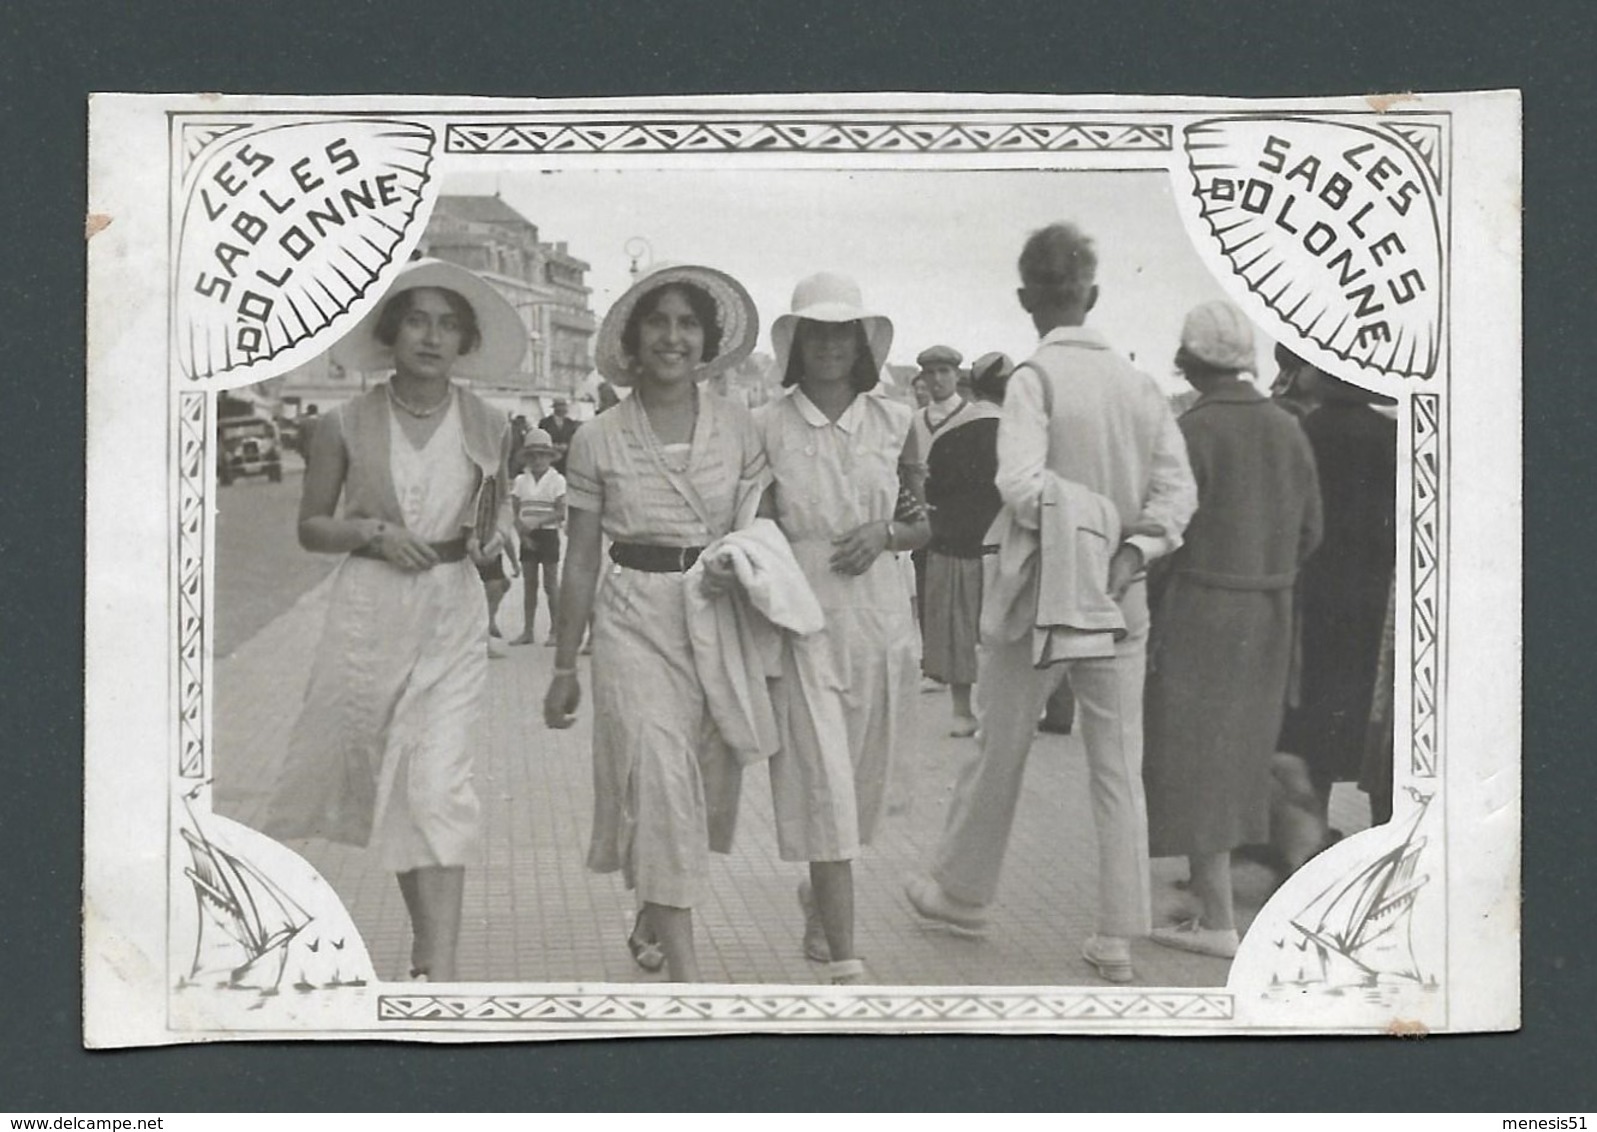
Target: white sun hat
(504,337)
(830,297)
(735,313)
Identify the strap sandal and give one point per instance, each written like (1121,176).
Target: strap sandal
(846,972)
(645,949)
(816,949)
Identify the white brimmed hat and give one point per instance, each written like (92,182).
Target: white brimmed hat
(504,338)
(830,297)
(734,311)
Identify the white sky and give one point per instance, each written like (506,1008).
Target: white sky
(934,251)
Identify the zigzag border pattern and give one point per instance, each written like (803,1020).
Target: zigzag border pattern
(888,1010)
(191,450)
(1427,464)
(761,135)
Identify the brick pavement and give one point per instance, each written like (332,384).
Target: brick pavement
(534,914)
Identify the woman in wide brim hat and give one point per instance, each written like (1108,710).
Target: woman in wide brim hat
(662,475)
(736,322)
(845,496)
(381,753)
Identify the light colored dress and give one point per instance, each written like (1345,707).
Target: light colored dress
(665,787)
(381,753)
(832,476)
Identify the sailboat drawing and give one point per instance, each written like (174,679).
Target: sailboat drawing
(246,922)
(1362,928)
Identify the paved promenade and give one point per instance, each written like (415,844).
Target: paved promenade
(534,914)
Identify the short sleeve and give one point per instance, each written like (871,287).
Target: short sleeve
(754,470)
(584,488)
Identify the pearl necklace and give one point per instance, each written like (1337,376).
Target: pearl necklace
(401,403)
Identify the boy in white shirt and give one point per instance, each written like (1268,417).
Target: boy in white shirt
(540,504)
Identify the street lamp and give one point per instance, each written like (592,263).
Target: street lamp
(636,248)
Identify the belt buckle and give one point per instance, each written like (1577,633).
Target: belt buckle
(682,560)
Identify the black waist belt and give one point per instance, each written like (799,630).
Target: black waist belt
(654,559)
(451,550)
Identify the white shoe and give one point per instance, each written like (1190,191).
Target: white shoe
(1221,943)
(1110,956)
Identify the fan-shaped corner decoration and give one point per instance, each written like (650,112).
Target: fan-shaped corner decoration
(283,227)
(1335,226)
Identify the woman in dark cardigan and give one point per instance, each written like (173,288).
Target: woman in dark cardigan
(1222,632)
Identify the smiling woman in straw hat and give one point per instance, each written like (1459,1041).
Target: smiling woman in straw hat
(663,474)
(380,754)
(837,447)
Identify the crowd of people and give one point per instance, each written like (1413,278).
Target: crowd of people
(1207,599)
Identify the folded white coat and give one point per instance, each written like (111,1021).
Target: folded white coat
(737,634)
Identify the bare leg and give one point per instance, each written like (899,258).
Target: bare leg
(495,592)
(529,596)
(434,897)
(673,927)
(833,884)
(551,586)
(1211,884)
(420,943)
(964,719)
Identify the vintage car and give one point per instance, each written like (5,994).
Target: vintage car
(248,446)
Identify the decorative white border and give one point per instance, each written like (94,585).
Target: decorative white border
(934,133)
(877,1009)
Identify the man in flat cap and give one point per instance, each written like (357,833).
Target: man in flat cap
(957,445)
(1077,412)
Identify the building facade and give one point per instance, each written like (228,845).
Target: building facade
(544,282)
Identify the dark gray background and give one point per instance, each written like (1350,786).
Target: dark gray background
(55,54)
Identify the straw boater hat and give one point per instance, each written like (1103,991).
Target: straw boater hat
(830,297)
(734,310)
(504,338)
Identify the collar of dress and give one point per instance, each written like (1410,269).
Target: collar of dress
(815,418)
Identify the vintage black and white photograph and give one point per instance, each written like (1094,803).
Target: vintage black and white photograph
(880,564)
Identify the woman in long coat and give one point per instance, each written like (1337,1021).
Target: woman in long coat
(1222,632)
(1345,588)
